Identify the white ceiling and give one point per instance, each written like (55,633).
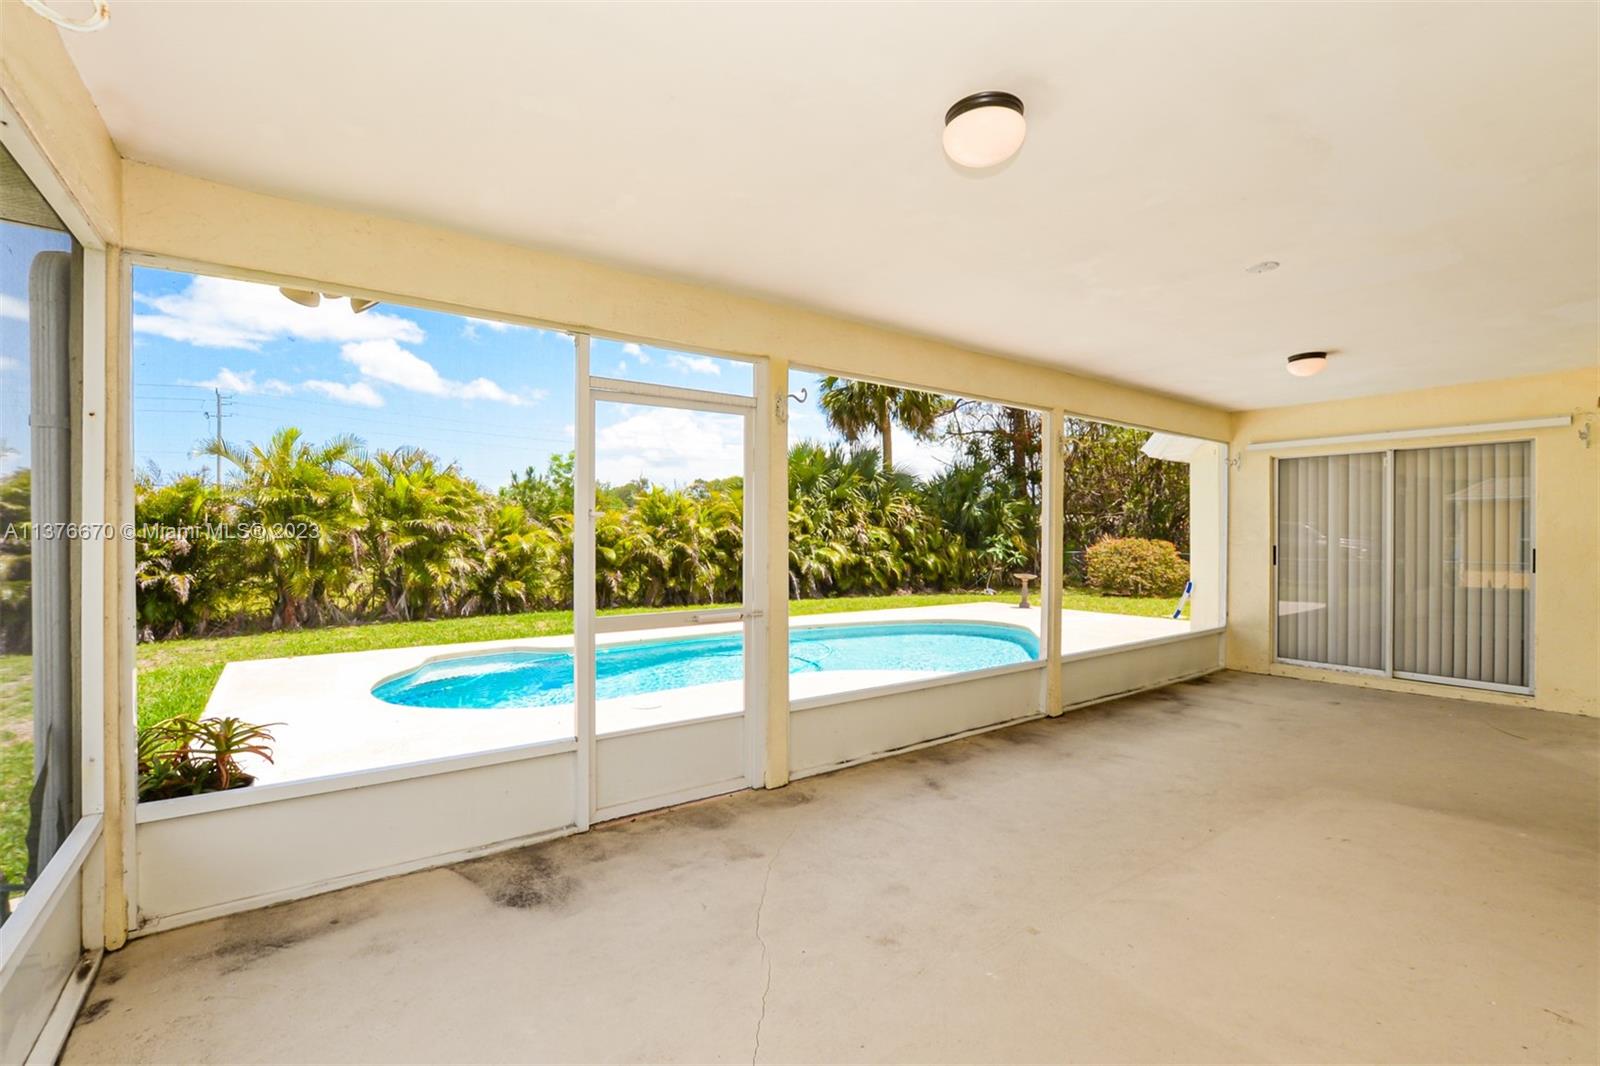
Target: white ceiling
(1426,173)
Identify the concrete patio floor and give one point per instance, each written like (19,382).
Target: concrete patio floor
(327,721)
(1240,868)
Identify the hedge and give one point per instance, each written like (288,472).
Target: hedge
(1133,566)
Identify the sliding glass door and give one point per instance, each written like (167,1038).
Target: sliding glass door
(1413,563)
(1463,563)
(1331,560)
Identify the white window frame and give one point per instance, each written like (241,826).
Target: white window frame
(1049,592)
(72,859)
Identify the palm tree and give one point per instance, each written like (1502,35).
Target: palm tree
(185,576)
(523,563)
(301,501)
(857,409)
(425,529)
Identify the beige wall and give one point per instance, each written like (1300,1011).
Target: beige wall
(1566,520)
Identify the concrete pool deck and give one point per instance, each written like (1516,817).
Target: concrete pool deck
(329,722)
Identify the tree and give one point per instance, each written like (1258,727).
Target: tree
(1112,489)
(300,503)
(188,574)
(525,563)
(423,529)
(860,409)
(543,496)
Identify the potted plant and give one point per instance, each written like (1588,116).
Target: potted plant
(186,756)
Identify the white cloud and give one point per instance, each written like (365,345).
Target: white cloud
(670,446)
(244,382)
(387,362)
(13,307)
(470,325)
(223,313)
(361,394)
(694,364)
(923,458)
(640,356)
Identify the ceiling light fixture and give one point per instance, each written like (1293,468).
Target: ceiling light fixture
(308,298)
(984,129)
(303,297)
(1308,363)
(1266,266)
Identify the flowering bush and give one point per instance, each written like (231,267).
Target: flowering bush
(1133,566)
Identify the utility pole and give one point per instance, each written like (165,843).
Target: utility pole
(221,402)
(218,394)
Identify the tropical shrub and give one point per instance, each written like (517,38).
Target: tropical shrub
(1135,566)
(188,577)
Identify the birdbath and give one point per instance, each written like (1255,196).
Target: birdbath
(1024,578)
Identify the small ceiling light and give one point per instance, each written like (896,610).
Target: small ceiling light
(1266,266)
(984,129)
(303,297)
(1308,363)
(358,305)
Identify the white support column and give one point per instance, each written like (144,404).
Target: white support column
(772,425)
(1208,474)
(1051,555)
(121,615)
(89,451)
(583,602)
(757,601)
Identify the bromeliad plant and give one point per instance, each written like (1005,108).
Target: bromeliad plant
(187,756)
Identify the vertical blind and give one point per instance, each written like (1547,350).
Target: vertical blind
(1331,560)
(1463,560)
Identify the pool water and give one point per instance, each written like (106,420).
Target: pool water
(526,678)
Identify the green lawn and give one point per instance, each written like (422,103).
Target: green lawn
(16,763)
(176,676)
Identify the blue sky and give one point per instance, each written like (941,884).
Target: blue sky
(491,396)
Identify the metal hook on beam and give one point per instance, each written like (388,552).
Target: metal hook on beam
(783,403)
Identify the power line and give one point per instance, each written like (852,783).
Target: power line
(264,400)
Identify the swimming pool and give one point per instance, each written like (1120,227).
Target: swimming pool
(533,678)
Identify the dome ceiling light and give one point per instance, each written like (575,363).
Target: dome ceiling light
(984,129)
(1306,364)
(303,297)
